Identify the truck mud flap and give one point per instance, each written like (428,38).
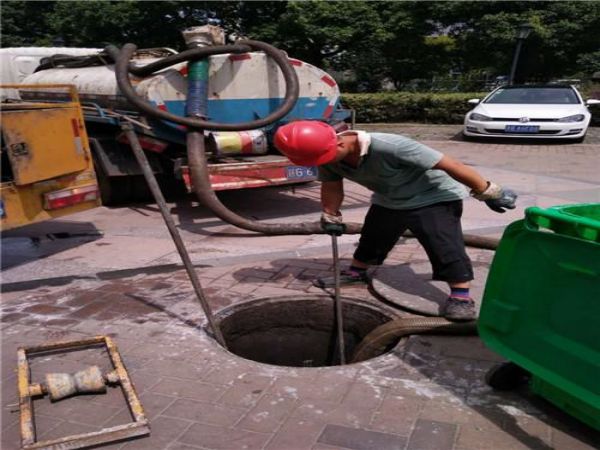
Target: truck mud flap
(117,160)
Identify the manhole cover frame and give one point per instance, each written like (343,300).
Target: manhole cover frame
(372,307)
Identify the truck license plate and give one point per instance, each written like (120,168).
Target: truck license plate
(522,128)
(297,172)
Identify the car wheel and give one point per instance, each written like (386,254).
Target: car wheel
(579,140)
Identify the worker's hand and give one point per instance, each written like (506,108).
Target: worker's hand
(497,198)
(333,224)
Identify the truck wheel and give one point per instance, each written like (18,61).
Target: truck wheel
(506,376)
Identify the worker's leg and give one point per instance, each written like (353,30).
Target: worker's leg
(380,232)
(438,229)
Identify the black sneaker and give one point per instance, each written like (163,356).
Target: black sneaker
(347,278)
(459,309)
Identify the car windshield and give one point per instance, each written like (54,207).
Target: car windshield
(537,96)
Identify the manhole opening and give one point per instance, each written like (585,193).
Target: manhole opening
(297,332)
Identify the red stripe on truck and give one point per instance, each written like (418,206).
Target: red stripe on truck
(240,57)
(328,80)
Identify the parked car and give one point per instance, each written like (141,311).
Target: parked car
(554,111)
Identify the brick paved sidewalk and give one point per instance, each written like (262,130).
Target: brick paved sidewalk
(426,394)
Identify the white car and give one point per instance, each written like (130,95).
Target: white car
(554,111)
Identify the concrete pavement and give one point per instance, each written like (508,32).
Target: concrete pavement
(115,272)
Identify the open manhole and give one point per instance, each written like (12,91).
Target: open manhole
(297,331)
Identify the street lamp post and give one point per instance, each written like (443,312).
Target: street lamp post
(523,32)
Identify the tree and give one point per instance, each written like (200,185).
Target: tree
(407,49)
(98,23)
(376,40)
(25,23)
(322,33)
(486,34)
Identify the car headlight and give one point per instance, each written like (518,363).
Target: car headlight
(479,117)
(575,118)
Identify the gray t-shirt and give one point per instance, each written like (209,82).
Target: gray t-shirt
(399,172)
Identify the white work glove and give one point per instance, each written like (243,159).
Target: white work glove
(497,198)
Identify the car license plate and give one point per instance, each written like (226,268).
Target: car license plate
(297,172)
(522,129)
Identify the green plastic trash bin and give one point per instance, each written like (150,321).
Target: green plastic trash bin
(541,305)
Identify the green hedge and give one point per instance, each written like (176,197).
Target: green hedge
(409,107)
(417,107)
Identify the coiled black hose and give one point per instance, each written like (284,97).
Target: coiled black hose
(122,69)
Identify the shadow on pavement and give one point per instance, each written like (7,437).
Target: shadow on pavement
(272,203)
(40,240)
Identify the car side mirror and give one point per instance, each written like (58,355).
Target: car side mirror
(592,101)
(473,101)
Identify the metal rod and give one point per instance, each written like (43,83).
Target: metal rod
(337,299)
(160,201)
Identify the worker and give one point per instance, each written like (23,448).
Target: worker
(414,187)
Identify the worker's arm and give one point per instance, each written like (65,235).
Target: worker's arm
(496,197)
(332,195)
(463,173)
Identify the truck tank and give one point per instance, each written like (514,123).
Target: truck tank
(18,62)
(241,88)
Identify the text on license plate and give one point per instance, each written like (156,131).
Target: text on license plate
(295,172)
(522,128)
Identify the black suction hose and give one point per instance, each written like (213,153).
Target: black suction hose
(200,180)
(198,164)
(381,338)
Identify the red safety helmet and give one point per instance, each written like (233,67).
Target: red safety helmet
(307,142)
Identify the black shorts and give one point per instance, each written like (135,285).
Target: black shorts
(437,228)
